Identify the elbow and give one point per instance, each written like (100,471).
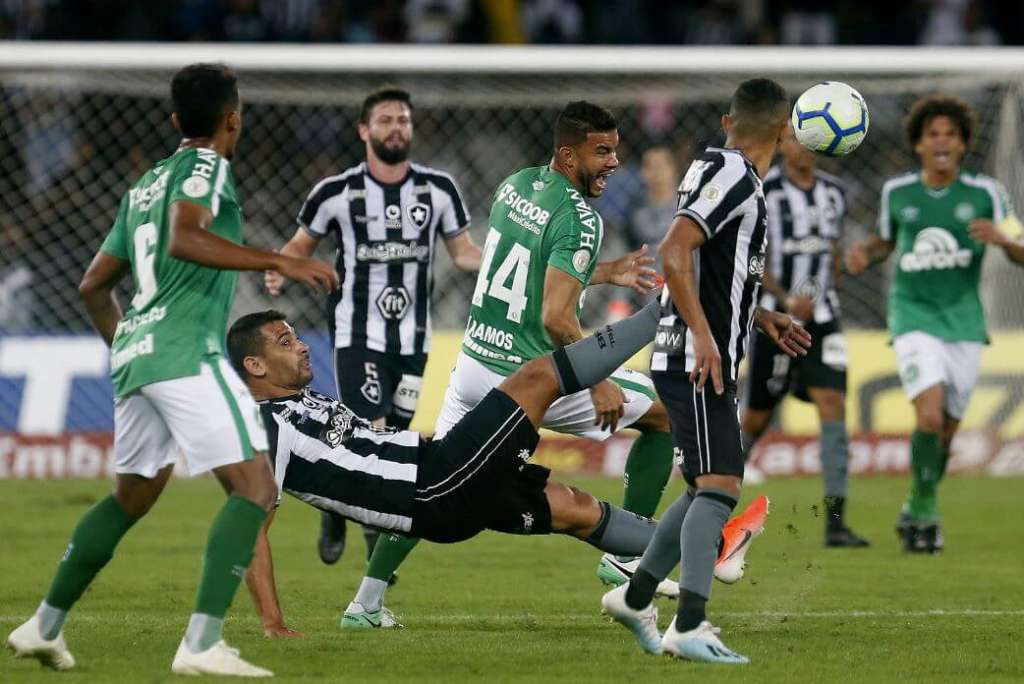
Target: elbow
(174,247)
(553,324)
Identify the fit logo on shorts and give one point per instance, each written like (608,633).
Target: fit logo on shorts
(935,249)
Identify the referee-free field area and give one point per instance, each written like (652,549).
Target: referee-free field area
(501,608)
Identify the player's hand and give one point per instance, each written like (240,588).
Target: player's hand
(707,362)
(273,282)
(279,631)
(800,307)
(633,271)
(856,259)
(984,231)
(786,333)
(608,404)
(313,273)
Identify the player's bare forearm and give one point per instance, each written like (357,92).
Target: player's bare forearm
(1014,249)
(602,273)
(676,252)
(190,240)
(97,292)
(302,244)
(260,580)
(465,253)
(878,249)
(558,310)
(772,287)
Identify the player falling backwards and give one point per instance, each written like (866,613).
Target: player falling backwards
(806,208)
(540,252)
(446,490)
(713,257)
(938,220)
(178,232)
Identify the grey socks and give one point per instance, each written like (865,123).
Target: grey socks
(620,532)
(834,452)
(699,537)
(662,555)
(592,359)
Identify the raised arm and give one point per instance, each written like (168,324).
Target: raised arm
(260,580)
(465,253)
(191,240)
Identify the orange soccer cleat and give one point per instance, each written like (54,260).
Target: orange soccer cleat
(737,536)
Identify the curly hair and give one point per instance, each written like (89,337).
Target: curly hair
(927,108)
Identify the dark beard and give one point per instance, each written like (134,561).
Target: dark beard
(389,155)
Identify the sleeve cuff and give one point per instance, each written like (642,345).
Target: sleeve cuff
(696,218)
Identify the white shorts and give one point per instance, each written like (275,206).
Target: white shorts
(210,417)
(573,415)
(925,361)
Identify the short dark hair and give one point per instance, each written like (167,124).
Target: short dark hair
(756,103)
(385,94)
(246,339)
(579,118)
(931,106)
(202,93)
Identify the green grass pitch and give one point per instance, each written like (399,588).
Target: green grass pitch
(526,609)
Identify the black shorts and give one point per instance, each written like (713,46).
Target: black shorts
(773,374)
(377,385)
(477,477)
(705,426)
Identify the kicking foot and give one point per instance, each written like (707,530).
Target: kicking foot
(357,617)
(737,536)
(701,644)
(219,659)
(27,642)
(616,572)
(642,623)
(844,537)
(331,543)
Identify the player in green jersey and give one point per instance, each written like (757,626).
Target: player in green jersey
(939,221)
(178,233)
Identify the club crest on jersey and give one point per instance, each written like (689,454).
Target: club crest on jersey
(419,214)
(392,217)
(371,390)
(964,212)
(393,302)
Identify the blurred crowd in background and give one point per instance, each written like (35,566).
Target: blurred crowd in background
(591,22)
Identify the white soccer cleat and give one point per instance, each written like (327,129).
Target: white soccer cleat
(737,536)
(615,572)
(700,644)
(27,642)
(219,659)
(642,623)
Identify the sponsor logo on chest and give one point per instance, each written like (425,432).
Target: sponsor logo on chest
(935,249)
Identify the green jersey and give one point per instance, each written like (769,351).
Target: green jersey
(538,219)
(938,265)
(179,311)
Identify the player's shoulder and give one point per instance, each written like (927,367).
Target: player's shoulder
(980,180)
(730,167)
(335,184)
(902,181)
(832,181)
(439,178)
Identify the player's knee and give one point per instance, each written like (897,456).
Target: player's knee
(755,422)
(930,419)
(831,405)
(655,420)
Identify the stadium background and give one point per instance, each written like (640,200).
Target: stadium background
(82,120)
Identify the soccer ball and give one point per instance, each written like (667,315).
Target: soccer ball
(830,118)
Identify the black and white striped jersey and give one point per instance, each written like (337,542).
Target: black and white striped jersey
(327,456)
(385,235)
(722,194)
(803,229)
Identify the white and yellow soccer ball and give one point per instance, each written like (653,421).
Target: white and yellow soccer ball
(830,118)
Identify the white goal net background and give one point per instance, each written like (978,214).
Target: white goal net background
(81,122)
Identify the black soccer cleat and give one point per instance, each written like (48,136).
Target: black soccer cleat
(331,543)
(844,537)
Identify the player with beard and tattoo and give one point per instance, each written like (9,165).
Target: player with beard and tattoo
(385,214)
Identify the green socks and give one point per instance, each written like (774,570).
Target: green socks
(389,552)
(648,469)
(229,550)
(91,547)
(926,464)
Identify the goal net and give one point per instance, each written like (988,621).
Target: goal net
(80,123)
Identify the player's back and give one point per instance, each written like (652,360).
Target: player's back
(538,219)
(179,309)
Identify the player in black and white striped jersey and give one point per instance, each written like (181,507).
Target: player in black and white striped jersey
(476,477)
(806,209)
(386,215)
(713,258)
